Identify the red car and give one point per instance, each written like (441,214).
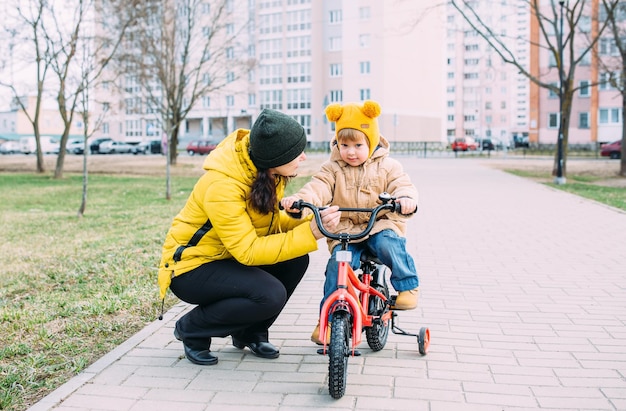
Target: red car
(464,144)
(612,150)
(200,147)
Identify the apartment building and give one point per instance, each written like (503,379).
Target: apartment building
(305,54)
(486,97)
(596,115)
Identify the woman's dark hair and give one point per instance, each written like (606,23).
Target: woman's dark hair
(263,193)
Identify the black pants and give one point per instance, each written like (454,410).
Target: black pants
(234,299)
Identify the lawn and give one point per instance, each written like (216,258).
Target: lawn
(74,288)
(583,185)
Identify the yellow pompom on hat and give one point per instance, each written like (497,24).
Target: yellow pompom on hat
(357,117)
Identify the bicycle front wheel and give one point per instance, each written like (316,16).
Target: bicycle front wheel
(338,352)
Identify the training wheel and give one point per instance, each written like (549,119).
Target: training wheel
(423,340)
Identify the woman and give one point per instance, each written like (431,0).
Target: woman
(230,251)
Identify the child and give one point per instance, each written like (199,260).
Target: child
(359,170)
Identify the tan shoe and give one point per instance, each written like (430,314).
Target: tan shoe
(406,300)
(315,335)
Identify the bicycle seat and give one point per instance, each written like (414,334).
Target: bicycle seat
(366,256)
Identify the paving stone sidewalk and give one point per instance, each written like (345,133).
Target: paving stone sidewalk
(523,288)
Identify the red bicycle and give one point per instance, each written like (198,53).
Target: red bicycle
(360,303)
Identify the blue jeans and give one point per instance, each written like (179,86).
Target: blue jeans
(390,249)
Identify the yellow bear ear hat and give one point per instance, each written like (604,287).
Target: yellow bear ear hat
(358,117)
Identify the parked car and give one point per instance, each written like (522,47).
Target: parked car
(200,147)
(464,144)
(521,141)
(487,144)
(94,146)
(612,150)
(10,147)
(76,146)
(49,145)
(145,147)
(115,147)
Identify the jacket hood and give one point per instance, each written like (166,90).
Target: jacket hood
(231,157)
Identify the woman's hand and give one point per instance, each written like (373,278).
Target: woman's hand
(330,220)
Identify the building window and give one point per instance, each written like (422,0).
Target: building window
(336,96)
(450,103)
(336,70)
(450,117)
(335,16)
(608,47)
(334,43)
(364,41)
(605,80)
(230,101)
(364,13)
(610,116)
(251,99)
(364,67)
(583,120)
(551,92)
(553,120)
(584,89)
(365,94)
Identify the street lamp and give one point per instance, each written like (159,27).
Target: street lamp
(559,178)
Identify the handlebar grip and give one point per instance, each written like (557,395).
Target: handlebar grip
(297,215)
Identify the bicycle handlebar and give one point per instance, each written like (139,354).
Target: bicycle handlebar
(388,203)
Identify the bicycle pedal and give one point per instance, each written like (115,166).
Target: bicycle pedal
(392,300)
(320,351)
(357,353)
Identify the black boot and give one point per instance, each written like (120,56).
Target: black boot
(260,349)
(200,357)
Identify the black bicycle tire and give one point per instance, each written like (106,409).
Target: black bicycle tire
(338,352)
(377,334)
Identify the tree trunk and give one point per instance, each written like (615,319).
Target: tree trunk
(568,96)
(174,144)
(622,166)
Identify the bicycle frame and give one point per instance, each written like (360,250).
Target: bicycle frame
(348,299)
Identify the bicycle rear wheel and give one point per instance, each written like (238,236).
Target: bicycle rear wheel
(338,352)
(377,334)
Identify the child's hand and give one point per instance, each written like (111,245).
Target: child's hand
(287,202)
(407,205)
(330,219)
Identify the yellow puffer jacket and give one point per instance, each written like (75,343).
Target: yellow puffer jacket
(238,231)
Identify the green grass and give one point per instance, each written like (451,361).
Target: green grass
(583,185)
(74,288)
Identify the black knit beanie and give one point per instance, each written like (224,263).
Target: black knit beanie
(275,139)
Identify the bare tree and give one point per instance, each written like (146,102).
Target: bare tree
(27,28)
(181,52)
(614,11)
(558,24)
(95,57)
(66,38)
